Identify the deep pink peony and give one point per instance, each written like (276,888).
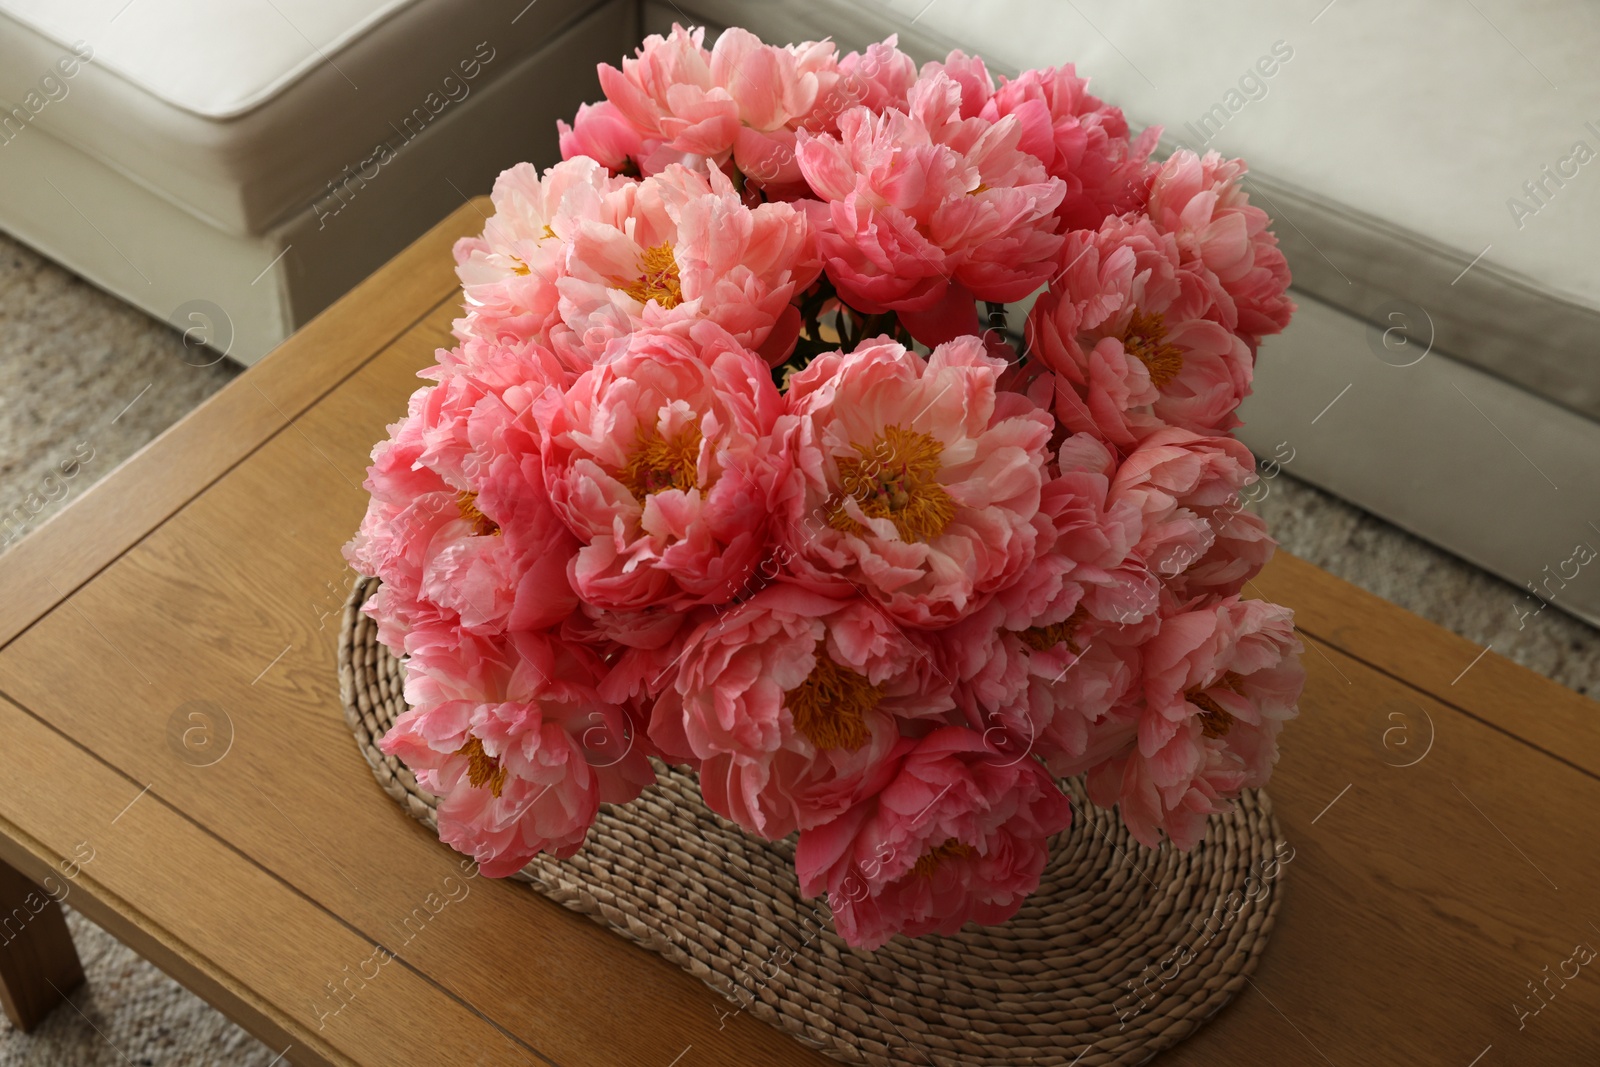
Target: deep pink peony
(741,100)
(1197,535)
(603,133)
(459,526)
(1218,683)
(662,462)
(920,480)
(923,205)
(960,833)
(1133,339)
(792,701)
(1082,140)
(1201,201)
(512,737)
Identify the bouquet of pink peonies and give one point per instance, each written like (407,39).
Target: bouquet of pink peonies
(728,469)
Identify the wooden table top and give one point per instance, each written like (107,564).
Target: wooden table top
(1441,801)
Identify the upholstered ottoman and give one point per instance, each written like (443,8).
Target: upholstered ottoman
(236,166)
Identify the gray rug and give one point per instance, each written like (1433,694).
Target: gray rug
(83,375)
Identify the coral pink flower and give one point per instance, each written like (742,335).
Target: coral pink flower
(579,258)
(660,460)
(512,737)
(919,199)
(877,79)
(508,274)
(792,702)
(1088,561)
(1133,341)
(1198,536)
(677,248)
(1218,683)
(920,480)
(459,526)
(601,132)
(1081,140)
(741,100)
(1201,201)
(958,834)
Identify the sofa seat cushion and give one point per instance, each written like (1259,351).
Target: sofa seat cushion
(246,113)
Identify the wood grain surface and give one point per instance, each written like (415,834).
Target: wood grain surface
(1443,834)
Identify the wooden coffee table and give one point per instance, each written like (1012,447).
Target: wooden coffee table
(174,762)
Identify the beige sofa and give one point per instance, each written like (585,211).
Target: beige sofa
(234,167)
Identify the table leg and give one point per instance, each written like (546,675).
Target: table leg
(38,963)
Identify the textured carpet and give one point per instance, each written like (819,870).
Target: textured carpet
(83,375)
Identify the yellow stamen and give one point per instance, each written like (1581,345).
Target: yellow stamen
(658,278)
(467,504)
(1145,338)
(830,706)
(1041,638)
(897,478)
(658,464)
(482,768)
(951,849)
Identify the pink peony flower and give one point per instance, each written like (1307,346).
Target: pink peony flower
(791,702)
(1133,340)
(877,79)
(1201,201)
(677,248)
(603,133)
(1218,683)
(924,205)
(1080,139)
(741,100)
(459,526)
(512,737)
(579,258)
(508,274)
(957,835)
(661,461)
(1198,536)
(1088,559)
(920,481)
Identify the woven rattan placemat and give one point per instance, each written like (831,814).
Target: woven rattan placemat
(1121,953)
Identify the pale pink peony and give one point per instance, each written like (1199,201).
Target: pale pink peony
(508,274)
(677,248)
(959,834)
(920,481)
(1197,535)
(791,702)
(1201,201)
(1132,339)
(1218,683)
(1081,140)
(661,461)
(579,258)
(924,206)
(512,737)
